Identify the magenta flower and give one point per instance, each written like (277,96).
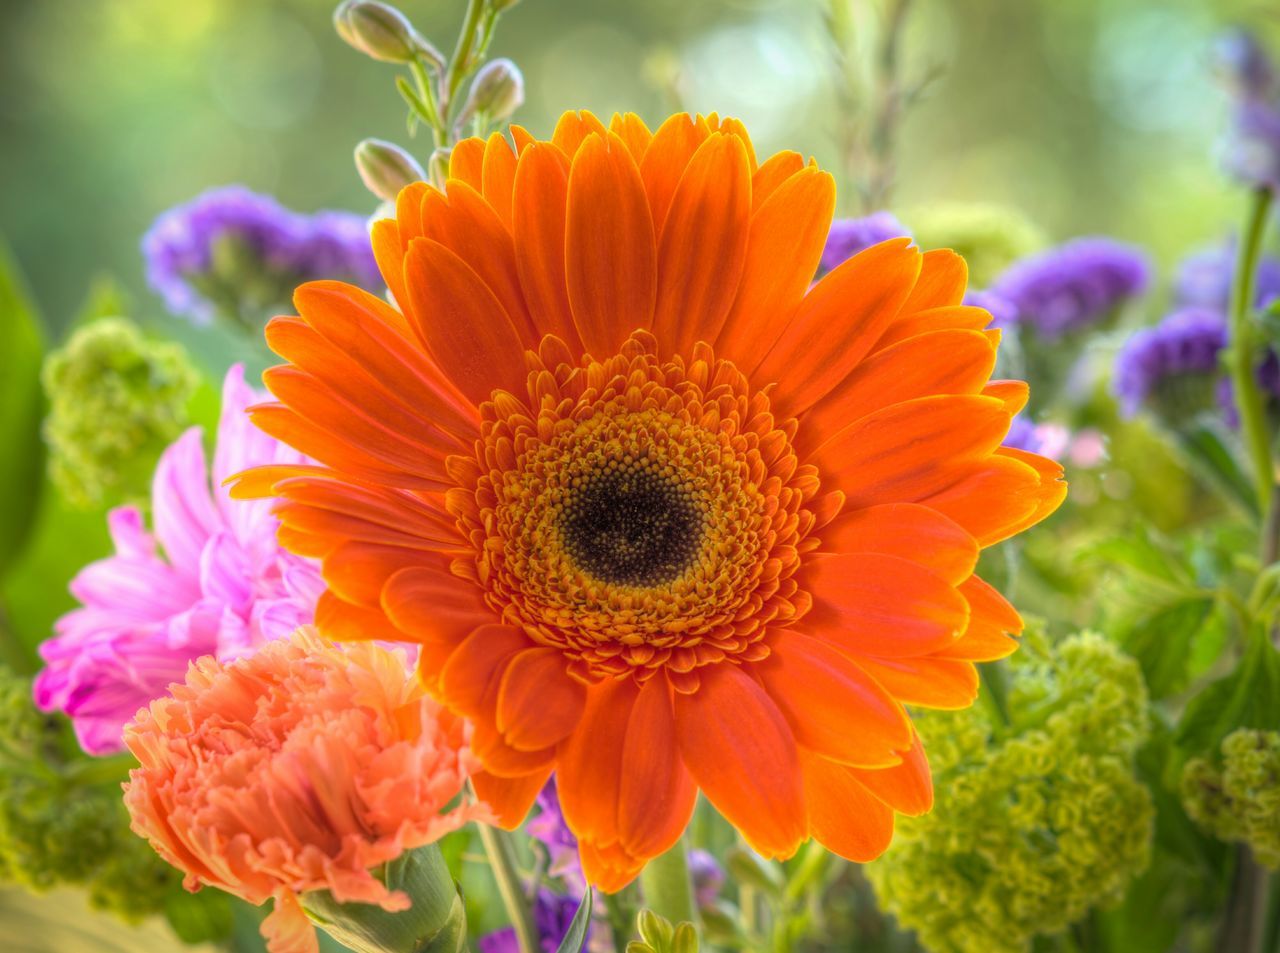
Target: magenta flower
(211,580)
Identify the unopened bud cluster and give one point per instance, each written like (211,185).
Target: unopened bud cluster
(657,935)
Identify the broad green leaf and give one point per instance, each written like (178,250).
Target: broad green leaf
(1162,643)
(576,936)
(21,411)
(1211,457)
(1247,698)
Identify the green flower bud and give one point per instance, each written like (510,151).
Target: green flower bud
(435,923)
(383,32)
(438,166)
(654,929)
(385,168)
(990,237)
(657,935)
(1236,794)
(496,92)
(116,399)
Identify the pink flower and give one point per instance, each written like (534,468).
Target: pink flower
(299,768)
(217,583)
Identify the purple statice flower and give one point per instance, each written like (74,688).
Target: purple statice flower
(848,236)
(1187,342)
(551,830)
(552,914)
(1073,285)
(1252,145)
(210,580)
(231,249)
(1204,278)
(708,877)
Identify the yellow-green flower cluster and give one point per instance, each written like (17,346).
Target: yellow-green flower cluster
(1237,797)
(62,818)
(116,399)
(1038,814)
(990,237)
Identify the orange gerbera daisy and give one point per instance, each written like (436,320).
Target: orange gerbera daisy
(662,516)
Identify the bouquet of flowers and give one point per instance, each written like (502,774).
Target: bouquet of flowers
(621,554)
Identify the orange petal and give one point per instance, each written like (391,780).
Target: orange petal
(433,606)
(510,798)
(467,225)
(838,321)
(366,328)
(631,129)
(833,706)
(741,751)
(470,678)
(669,152)
(844,816)
(538,218)
(905,787)
(1001,496)
(869,604)
(939,362)
(611,256)
(991,621)
(657,794)
(538,703)
(703,246)
(357,571)
(343,622)
(461,323)
(905,452)
(935,319)
(785,243)
(776,169)
(589,770)
(929,682)
(573,129)
(608,868)
(1014,393)
(388,252)
(908,531)
(943,278)
(466,162)
(497,175)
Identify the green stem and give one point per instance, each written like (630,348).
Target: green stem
(1241,357)
(502,861)
(460,62)
(668,887)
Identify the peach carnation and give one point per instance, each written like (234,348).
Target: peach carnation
(298,768)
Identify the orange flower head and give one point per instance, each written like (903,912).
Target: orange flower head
(664,515)
(297,768)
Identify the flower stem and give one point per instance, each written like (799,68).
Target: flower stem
(502,860)
(1243,354)
(668,887)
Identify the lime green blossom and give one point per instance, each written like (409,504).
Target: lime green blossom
(1038,815)
(115,400)
(1237,796)
(62,816)
(990,237)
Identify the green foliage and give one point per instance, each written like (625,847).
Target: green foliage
(1247,698)
(116,399)
(21,407)
(1236,795)
(576,936)
(63,822)
(1039,816)
(658,935)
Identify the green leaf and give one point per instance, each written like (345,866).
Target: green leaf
(1247,698)
(576,937)
(21,410)
(1210,456)
(1162,643)
(747,867)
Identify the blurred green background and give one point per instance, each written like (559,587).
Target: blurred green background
(1090,115)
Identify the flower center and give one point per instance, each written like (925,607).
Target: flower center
(633,523)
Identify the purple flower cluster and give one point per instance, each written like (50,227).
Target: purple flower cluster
(1187,342)
(550,829)
(552,914)
(848,236)
(230,241)
(1204,278)
(708,877)
(1072,286)
(1252,146)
